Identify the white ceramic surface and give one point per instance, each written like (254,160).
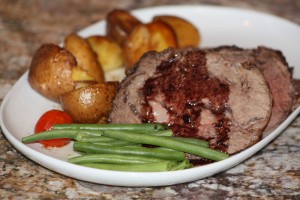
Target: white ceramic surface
(22,106)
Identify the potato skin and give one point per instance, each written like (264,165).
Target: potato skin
(119,24)
(90,104)
(187,34)
(156,35)
(136,45)
(50,71)
(162,37)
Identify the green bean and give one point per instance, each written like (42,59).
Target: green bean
(164,148)
(182,165)
(60,133)
(116,143)
(95,136)
(84,135)
(144,151)
(195,141)
(133,145)
(113,159)
(134,127)
(167,132)
(167,142)
(145,167)
(51,134)
(93,139)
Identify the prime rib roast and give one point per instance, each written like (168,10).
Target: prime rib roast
(276,72)
(227,95)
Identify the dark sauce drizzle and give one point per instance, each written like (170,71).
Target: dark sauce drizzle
(182,82)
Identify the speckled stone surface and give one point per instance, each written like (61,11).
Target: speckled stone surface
(272,173)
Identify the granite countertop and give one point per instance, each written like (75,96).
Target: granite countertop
(272,173)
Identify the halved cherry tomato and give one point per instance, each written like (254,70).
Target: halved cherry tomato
(47,121)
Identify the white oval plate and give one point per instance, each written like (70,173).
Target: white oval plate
(22,106)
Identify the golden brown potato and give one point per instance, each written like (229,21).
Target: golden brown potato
(50,72)
(85,56)
(80,84)
(136,45)
(162,36)
(109,53)
(79,74)
(90,104)
(156,36)
(119,24)
(187,34)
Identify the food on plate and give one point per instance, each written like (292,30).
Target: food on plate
(137,38)
(186,33)
(80,75)
(54,71)
(109,52)
(85,56)
(156,35)
(119,146)
(296,84)
(83,83)
(46,123)
(276,72)
(204,94)
(119,24)
(89,104)
(209,103)
(136,45)
(50,72)
(162,36)
(82,61)
(211,94)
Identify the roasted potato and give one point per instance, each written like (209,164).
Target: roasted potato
(90,104)
(119,25)
(108,51)
(50,72)
(187,34)
(156,35)
(136,45)
(162,36)
(79,74)
(86,58)
(80,84)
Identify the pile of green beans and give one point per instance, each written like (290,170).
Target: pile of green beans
(121,147)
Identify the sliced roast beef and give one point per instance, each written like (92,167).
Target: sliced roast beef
(296,84)
(277,73)
(200,94)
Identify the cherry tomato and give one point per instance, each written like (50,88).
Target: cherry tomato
(47,121)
